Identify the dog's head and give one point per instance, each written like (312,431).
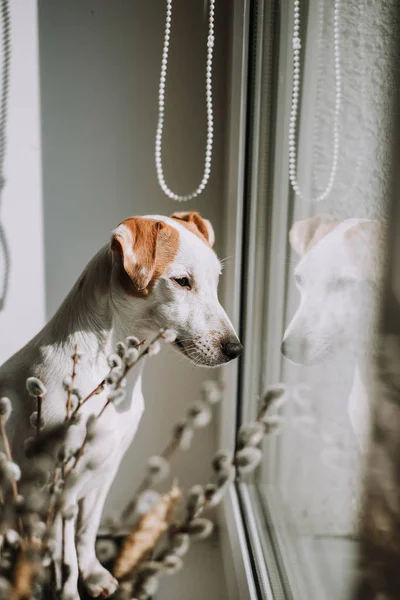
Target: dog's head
(167,275)
(337,278)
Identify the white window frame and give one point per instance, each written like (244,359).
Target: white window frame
(239,558)
(235,551)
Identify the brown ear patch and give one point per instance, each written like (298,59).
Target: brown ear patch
(305,234)
(197,225)
(146,247)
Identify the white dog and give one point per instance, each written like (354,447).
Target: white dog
(158,272)
(337,276)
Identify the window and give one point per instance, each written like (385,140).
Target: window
(317,289)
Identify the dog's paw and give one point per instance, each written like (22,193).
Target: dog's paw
(100,582)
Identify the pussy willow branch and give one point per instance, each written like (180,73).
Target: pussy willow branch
(7,451)
(100,387)
(78,454)
(63,564)
(75,359)
(207,501)
(259,419)
(183,527)
(73,377)
(167,453)
(39,402)
(97,390)
(50,510)
(53,510)
(170,449)
(125,371)
(173,531)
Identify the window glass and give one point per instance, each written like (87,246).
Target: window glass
(313,266)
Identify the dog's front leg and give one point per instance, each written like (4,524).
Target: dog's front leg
(70,585)
(97,579)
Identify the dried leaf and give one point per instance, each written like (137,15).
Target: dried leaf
(146,533)
(26,572)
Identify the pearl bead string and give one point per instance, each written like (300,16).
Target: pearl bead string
(209,107)
(321,66)
(295,103)
(361,103)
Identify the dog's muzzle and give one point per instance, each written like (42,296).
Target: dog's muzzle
(211,353)
(295,349)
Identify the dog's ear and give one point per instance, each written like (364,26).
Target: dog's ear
(366,244)
(197,224)
(305,234)
(140,242)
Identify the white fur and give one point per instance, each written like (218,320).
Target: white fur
(335,310)
(96,314)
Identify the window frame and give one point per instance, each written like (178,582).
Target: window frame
(269,48)
(236,555)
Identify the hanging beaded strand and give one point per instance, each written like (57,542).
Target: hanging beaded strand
(209,106)
(320,71)
(295,104)
(361,75)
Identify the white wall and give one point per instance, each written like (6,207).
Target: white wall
(99,67)
(23,312)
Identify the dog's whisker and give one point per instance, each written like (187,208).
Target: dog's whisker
(226,258)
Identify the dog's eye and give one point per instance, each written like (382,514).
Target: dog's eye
(342,284)
(345,282)
(183,281)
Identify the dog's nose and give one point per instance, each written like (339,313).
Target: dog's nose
(232,348)
(284,347)
(295,349)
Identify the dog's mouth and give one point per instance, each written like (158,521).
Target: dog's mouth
(304,354)
(193,353)
(180,346)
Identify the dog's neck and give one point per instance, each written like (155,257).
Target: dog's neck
(85,314)
(90,317)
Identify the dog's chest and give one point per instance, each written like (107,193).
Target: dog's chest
(114,433)
(118,423)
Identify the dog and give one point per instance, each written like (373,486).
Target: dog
(157,272)
(338,277)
